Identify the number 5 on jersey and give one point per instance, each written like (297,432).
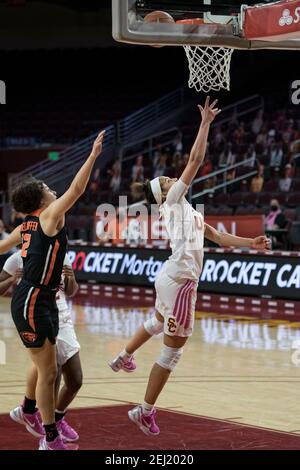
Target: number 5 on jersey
(26,238)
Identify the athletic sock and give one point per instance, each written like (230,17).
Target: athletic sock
(51,432)
(124,355)
(59,415)
(29,406)
(147,409)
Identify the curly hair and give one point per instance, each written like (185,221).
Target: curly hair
(27,196)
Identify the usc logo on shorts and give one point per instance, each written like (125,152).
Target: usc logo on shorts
(171,325)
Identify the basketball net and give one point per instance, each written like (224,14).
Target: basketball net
(209,67)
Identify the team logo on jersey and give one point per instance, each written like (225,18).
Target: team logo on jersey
(28,336)
(171,325)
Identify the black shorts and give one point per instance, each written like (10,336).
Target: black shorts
(35,314)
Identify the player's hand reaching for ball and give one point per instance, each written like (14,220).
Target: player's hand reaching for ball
(261,243)
(97,146)
(209,112)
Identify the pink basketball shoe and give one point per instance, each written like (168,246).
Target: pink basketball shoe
(57,444)
(119,363)
(32,422)
(67,433)
(146,424)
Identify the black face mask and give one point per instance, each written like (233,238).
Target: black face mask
(274,208)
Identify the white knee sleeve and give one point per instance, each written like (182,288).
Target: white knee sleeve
(169,357)
(153,326)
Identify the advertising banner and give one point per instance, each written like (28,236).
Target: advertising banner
(151,229)
(225,273)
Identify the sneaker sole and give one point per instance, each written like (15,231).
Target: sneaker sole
(27,426)
(129,371)
(140,426)
(70,447)
(112,367)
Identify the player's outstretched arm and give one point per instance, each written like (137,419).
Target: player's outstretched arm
(228,240)
(57,209)
(11,241)
(10,274)
(197,155)
(6,281)
(71,286)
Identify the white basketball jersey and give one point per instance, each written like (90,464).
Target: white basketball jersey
(185,227)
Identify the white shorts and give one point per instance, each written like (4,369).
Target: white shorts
(66,343)
(175,301)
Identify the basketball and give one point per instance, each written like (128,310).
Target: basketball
(150,217)
(159,17)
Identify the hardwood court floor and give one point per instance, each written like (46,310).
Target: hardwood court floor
(240,371)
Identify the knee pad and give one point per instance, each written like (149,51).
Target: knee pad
(169,357)
(153,326)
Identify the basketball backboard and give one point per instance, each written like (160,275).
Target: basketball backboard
(222,23)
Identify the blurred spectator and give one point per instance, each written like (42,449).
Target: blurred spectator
(161,166)
(286,182)
(239,134)
(102,228)
(271,138)
(156,155)
(227,157)
(257,181)
(250,154)
(178,147)
(176,159)
(95,181)
(206,168)
(3,233)
(210,183)
(230,176)
(138,170)
(276,155)
(218,137)
(182,164)
(295,155)
(16,218)
(275,218)
(115,180)
(262,139)
(257,122)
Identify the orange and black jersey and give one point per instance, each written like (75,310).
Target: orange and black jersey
(43,256)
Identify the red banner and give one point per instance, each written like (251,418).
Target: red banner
(248,226)
(276,21)
(147,230)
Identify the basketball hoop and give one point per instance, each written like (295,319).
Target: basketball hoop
(209,66)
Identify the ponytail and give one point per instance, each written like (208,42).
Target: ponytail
(139,190)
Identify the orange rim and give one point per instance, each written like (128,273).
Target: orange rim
(191,21)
